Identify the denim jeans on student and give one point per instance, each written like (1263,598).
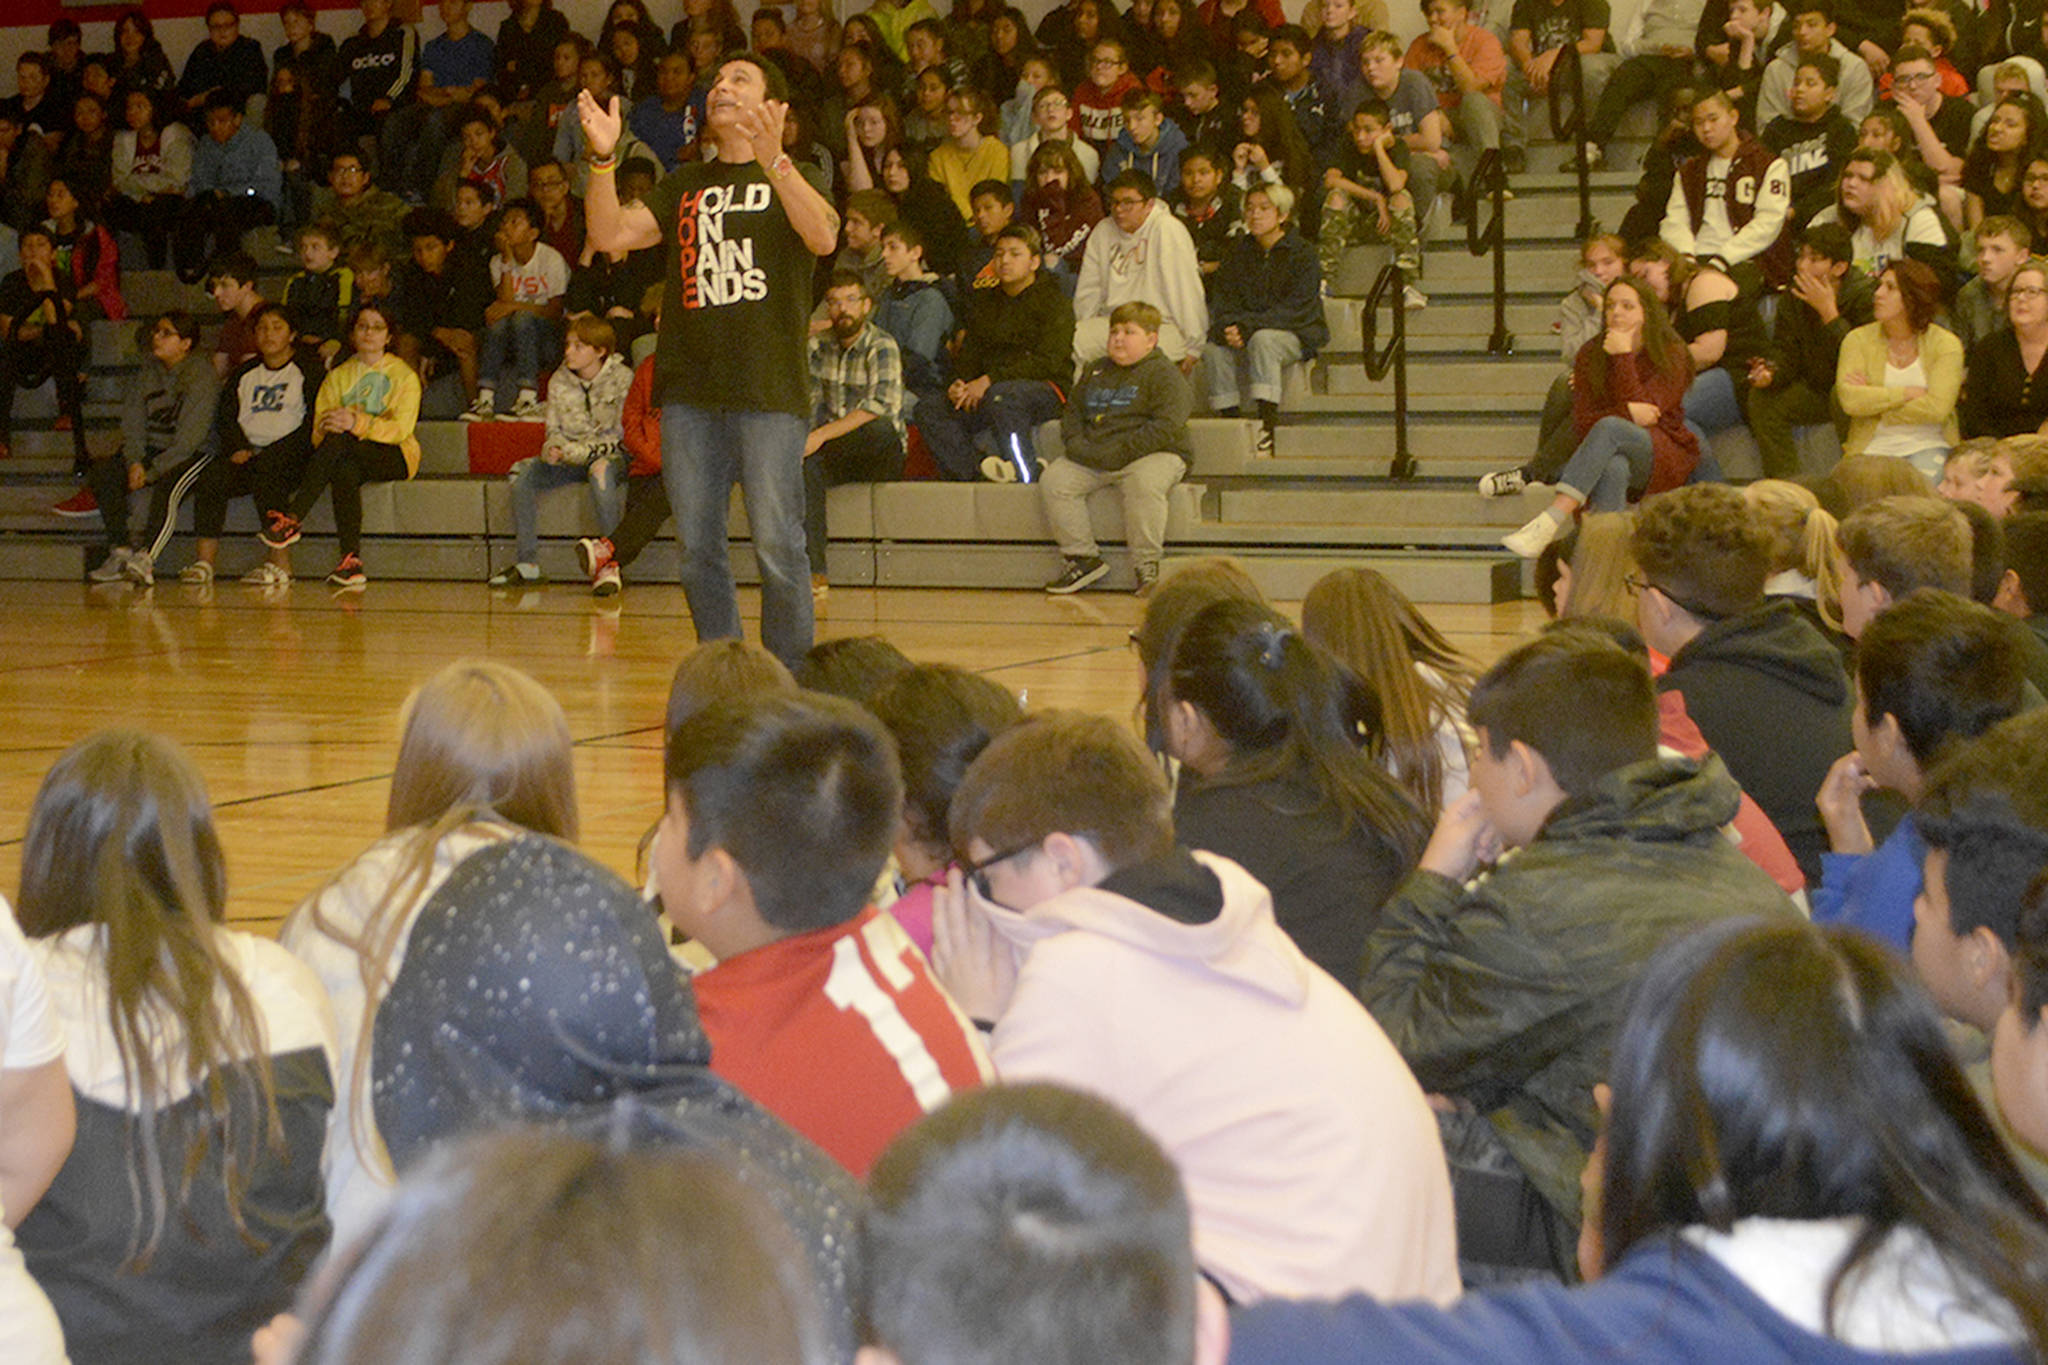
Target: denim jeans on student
(1258,367)
(531,478)
(1711,406)
(1613,461)
(530,340)
(1011,407)
(704,450)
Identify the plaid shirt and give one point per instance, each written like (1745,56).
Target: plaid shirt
(865,375)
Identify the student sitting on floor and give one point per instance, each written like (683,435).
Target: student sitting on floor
(1117,962)
(779,816)
(585,443)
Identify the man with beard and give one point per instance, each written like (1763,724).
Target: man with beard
(856,408)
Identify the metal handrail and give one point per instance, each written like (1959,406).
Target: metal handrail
(1568,80)
(1490,180)
(1392,282)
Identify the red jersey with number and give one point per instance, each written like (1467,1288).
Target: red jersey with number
(842,1033)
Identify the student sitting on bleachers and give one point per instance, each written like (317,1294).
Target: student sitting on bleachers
(319,296)
(1265,311)
(263,442)
(1813,35)
(1741,232)
(1141,253)
(237,184)
(1898,377)
(522,324)
(1062,205)
(363,422)
(779,816)
(41,338)
(912,308)
(1792,383)
(1887,218)
(586,400)
(1366,199)
(166,439)
(86,252)
(1813,137)
(856,419)
(151,167)
(438,302)
(603,557)
(1113,960)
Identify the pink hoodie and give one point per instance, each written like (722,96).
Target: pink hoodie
(1311,1158)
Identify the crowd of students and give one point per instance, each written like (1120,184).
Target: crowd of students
(1360,1004)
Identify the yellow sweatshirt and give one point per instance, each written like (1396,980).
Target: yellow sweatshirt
(386,393)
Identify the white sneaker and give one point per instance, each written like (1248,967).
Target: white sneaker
(197,572)
(267,575)
(528,408)
(484,409)
(1502,483)
(1530,541)
(114,568)
(996,469)
(1413,298)
(140,568)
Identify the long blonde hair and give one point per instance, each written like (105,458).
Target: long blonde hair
(1601,564)
(1366,622)
(482,745)
(121,837)
(1802,536)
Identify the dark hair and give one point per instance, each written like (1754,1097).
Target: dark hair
(1294,35)
(121,837)
(1065,772)
(221,7)
(1702,548)
(1375,108)
(854,666)
(1987,551)
(1831,240)
(991,189)
(2026,557)
(1987,805)
(1919,290)
(1131,178)
(430,222)
(1168,610)
(1903,543)
(1195,71)
(1663,347)
(1022,232)
(802,791)
(182,322)
(36,60)
(266,309)
(238,266)
(771,73)
(941,718)
(60,29)
(1574,696)
(1944,668)
(2030,956)
(1778,1070)
(223,99)
(1286,708)
(906,232)
(849,279)
(1824,63)
(1029,1223)
(1824,8)
(659,1253)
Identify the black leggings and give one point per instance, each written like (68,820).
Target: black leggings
(25,364)
(268,476)
(646,509)
(346,462)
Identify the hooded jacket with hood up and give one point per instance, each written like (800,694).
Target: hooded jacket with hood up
(1312,1161)
(1507,992)
(537,989)
(1770,694)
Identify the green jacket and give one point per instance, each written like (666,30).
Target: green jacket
(1507,992)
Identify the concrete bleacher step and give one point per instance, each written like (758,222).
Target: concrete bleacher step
(1523,376)
(1388,505)
(1548,215)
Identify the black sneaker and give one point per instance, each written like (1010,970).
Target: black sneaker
(1514,160)
(1079,574)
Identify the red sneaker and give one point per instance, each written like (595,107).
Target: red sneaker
(280,531)
(79,504)
(63,422)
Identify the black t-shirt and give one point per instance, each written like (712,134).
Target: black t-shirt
(1552,26)
(1952,124)
(736,300)
(1363,168)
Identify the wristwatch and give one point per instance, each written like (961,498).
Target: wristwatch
(781,166)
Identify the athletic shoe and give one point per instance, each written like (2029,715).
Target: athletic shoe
(1532,538)
(1264,448)
(1588,153)
(267,575)
(515,576)
(1148,578)
(198,571)
(280,530)
(1078,575)
(349,573)
(79,504)
(606,581)
(1514,160)
(114,568)
(140,568)
(1502,483)
(996,469)
(592,554)
(529,408)
(484,409)
(1413,299)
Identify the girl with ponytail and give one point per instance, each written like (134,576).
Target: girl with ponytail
(1279,746)
(1804,565)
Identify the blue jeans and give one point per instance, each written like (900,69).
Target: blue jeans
(531,478)
(1711,406)
(1613,461)
(703,451)
(1011,407)
(531,340)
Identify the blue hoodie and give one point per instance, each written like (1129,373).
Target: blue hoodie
(246,163)
(1162,162)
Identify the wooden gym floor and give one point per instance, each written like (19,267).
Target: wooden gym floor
(290,707)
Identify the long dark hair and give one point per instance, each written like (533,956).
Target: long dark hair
(1280,134)
(121,837)
(1779,1070)
(1981,162)
(1662,345)
(1285,707)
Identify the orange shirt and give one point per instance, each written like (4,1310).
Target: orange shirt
(842,1033)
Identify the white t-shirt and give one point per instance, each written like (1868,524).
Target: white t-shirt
(544,277)
(29,1037)
(1906,438)
(271,403)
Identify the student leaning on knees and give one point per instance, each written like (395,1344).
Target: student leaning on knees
(1791,1169)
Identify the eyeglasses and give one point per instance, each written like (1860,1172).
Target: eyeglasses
(1126,202)
(976,874)
(1917,78)
(2026,291)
